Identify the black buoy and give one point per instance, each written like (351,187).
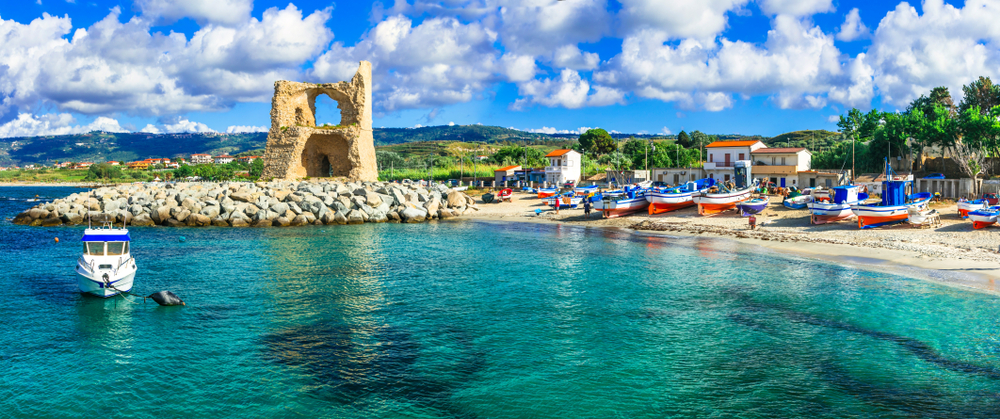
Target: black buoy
(165,298)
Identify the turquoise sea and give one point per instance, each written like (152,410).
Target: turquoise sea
(478,320)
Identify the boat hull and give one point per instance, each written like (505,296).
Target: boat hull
(546,194)
(711,204)
(612,209)
(871,216)
(982,220)
(665,202)
(822,213)
(751,207)
(965,207)
(97,287)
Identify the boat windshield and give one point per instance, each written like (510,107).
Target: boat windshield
(93,248)
(117,248)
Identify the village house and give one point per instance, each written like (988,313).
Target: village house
(723,155)
(83,165)
(139,165)
(505,174)
(564,166)
(113,163)
(201,158)
(223,159)
(249,159)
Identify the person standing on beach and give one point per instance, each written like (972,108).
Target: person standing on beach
(586,207)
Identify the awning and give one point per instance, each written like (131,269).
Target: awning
(105,238)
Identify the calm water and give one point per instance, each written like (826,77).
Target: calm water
(467,319)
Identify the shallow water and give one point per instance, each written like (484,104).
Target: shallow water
(473,319)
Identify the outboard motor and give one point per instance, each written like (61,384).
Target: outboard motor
(742,174)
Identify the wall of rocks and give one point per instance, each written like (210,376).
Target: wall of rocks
(279,203)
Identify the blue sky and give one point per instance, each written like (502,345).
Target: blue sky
(656,66)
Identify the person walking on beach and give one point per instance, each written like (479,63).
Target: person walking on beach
(586,207)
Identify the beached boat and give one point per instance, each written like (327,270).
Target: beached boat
(106,267)
(797,202)
(668,199)
(838,207)
(985,217)
(622,202)
(727,197)
(753,206)
(505,195)
(585,190)
(573,201)
(894,205)
(819,194)
(965,206)
(547,192)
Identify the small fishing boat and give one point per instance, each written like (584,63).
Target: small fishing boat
(797,202)
(106,267)
(895,204)
(985,217)
(753,206)
(727,197)
(819,194)
(622,202)
(965,206)
(838,207)
(585,190)
(669,199)
(505,195)
(547,192)
(574,201)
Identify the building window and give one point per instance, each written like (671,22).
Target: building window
(782,161)
(711,158)
(741,156)
(727,178)
(773,160)
(727,158)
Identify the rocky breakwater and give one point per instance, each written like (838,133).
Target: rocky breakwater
(279,203)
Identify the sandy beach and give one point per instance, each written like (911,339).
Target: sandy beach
(952,253)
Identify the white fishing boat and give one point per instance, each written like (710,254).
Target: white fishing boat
(622,202)
(895,204)
(106,267)
(838,207)
(668,199)
(727,197)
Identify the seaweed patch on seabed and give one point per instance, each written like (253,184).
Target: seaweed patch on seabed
(922,402)
(386,364)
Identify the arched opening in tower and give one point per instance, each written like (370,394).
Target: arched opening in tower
(325,155)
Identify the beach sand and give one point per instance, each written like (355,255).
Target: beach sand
(952,253)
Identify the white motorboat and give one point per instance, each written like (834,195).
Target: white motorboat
(106,267)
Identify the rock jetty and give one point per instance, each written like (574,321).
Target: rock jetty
(242,204)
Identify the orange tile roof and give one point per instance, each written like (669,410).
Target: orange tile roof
(780,150)
(504,169)
(746,143)
(558,153)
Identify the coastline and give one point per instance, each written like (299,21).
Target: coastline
(973,268)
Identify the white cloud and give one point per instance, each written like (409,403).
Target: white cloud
(550,130)
(539,27)
(183,125)
(853,28)
(451,124)
(833,118)
(796,7)
(946,46)
(798,66)
(570,56)
(152,129)
(28,125)
(569,90)
(236,129)
(441,61)
(224,12)
(665,131)
(518,67)
(115,66)
(701,19)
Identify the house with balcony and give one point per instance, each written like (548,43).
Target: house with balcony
(223,159)
(781,165)
(564,165)
(201,158)
(721,157)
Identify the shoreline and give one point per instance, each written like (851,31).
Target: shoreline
(952,255)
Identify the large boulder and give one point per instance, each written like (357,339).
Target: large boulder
(355,217)
(456,199)
(241,196)
(51,221)
(183,215)
(143,220)
(413,215)
(279,208)
(74,218)
(282,221)
(340,218)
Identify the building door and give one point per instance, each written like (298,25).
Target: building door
(677,178)
(782,182)
(727,176)
(812,182)
(727,159)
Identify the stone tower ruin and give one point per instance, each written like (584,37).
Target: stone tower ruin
(297,148)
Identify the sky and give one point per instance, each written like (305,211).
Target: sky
(635,66)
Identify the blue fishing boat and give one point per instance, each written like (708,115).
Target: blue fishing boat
(753,206)
(895,204)
(838,206)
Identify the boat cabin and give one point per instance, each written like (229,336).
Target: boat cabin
(110,242)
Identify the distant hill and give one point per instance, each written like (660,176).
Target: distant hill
(814,140)
(100,146)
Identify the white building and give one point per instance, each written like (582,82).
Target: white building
(722,156)
(201,158)
(223,159)
(564,166)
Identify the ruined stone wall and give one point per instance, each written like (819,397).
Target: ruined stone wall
(297,148)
